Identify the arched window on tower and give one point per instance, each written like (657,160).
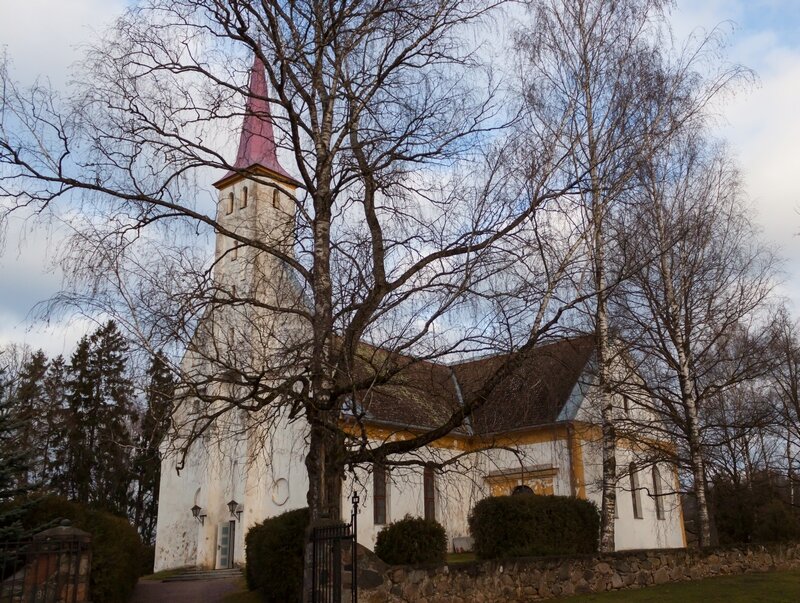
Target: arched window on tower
(276,198)
(243,204)
(229,208)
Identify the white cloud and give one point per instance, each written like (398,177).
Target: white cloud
(762,124)
(43,37)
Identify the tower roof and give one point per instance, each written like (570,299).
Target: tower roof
(257,148)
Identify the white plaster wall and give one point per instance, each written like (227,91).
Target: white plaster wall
(456,494)
(631,533)
(552,453)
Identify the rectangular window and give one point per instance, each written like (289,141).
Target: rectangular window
(657,493)
(379,494)
(429,489)
(636,495)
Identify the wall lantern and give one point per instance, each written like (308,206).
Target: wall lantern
(235,509)
(198,514)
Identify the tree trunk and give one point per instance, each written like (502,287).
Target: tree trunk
(325,474)
(609,500)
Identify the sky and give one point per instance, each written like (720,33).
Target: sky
(762,125)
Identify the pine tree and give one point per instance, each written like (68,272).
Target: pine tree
(13,464)
(99,414)
(154,425)
(74,456)
(55,429)
(30,409)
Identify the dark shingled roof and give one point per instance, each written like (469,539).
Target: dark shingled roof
(423,394)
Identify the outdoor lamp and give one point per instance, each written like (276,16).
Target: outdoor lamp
(196,514)
(236,509)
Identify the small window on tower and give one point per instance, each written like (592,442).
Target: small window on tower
(229,209)
(276,198)
(234,250)
(244,198)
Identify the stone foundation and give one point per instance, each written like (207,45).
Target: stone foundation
(534,579)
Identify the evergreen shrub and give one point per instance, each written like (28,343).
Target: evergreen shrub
(532,525)
(118,555)
(412,540)
(274,552)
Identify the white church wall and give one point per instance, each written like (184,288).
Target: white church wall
(631,532)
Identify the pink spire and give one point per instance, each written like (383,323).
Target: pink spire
(257,143)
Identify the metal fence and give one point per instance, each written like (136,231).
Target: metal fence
(335,561)
(44,571)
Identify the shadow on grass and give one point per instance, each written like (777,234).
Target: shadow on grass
(770,587)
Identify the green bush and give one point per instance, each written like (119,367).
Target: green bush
(412,540)
(274,550)
(776,521)
(118,554)
(531,525)
(758,511)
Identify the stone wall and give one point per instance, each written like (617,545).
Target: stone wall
(533,579)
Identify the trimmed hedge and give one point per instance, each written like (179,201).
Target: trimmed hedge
(274,551)
(118,555)
(412,540)
(531,525)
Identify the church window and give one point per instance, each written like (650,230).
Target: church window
(626,403)
(243,204)
(379,493)
(657,493)
(234,250)
(429,490)
(636,495)
(276,198)
(229,208)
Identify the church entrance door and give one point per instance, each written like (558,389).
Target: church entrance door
(226,533)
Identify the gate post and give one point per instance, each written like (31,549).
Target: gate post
(61,564)
(354,554)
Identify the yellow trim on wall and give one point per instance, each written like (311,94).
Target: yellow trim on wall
(576,465)
(534,435)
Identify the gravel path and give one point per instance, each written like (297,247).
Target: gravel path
(196,591)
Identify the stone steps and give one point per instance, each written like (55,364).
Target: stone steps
(200,574)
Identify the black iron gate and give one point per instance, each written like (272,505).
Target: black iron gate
(334,561)
(52,566)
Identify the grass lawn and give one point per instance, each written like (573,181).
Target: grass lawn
(460,557)
(773,587)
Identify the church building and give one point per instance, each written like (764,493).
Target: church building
(538,430)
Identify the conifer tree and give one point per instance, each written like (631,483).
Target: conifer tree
(99,413)
(13,464)
(30,409)
(154,425)
(52,438)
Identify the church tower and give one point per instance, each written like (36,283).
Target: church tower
(255,200)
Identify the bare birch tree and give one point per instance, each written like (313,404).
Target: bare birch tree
(415,206)
(692,318)
(603,75)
